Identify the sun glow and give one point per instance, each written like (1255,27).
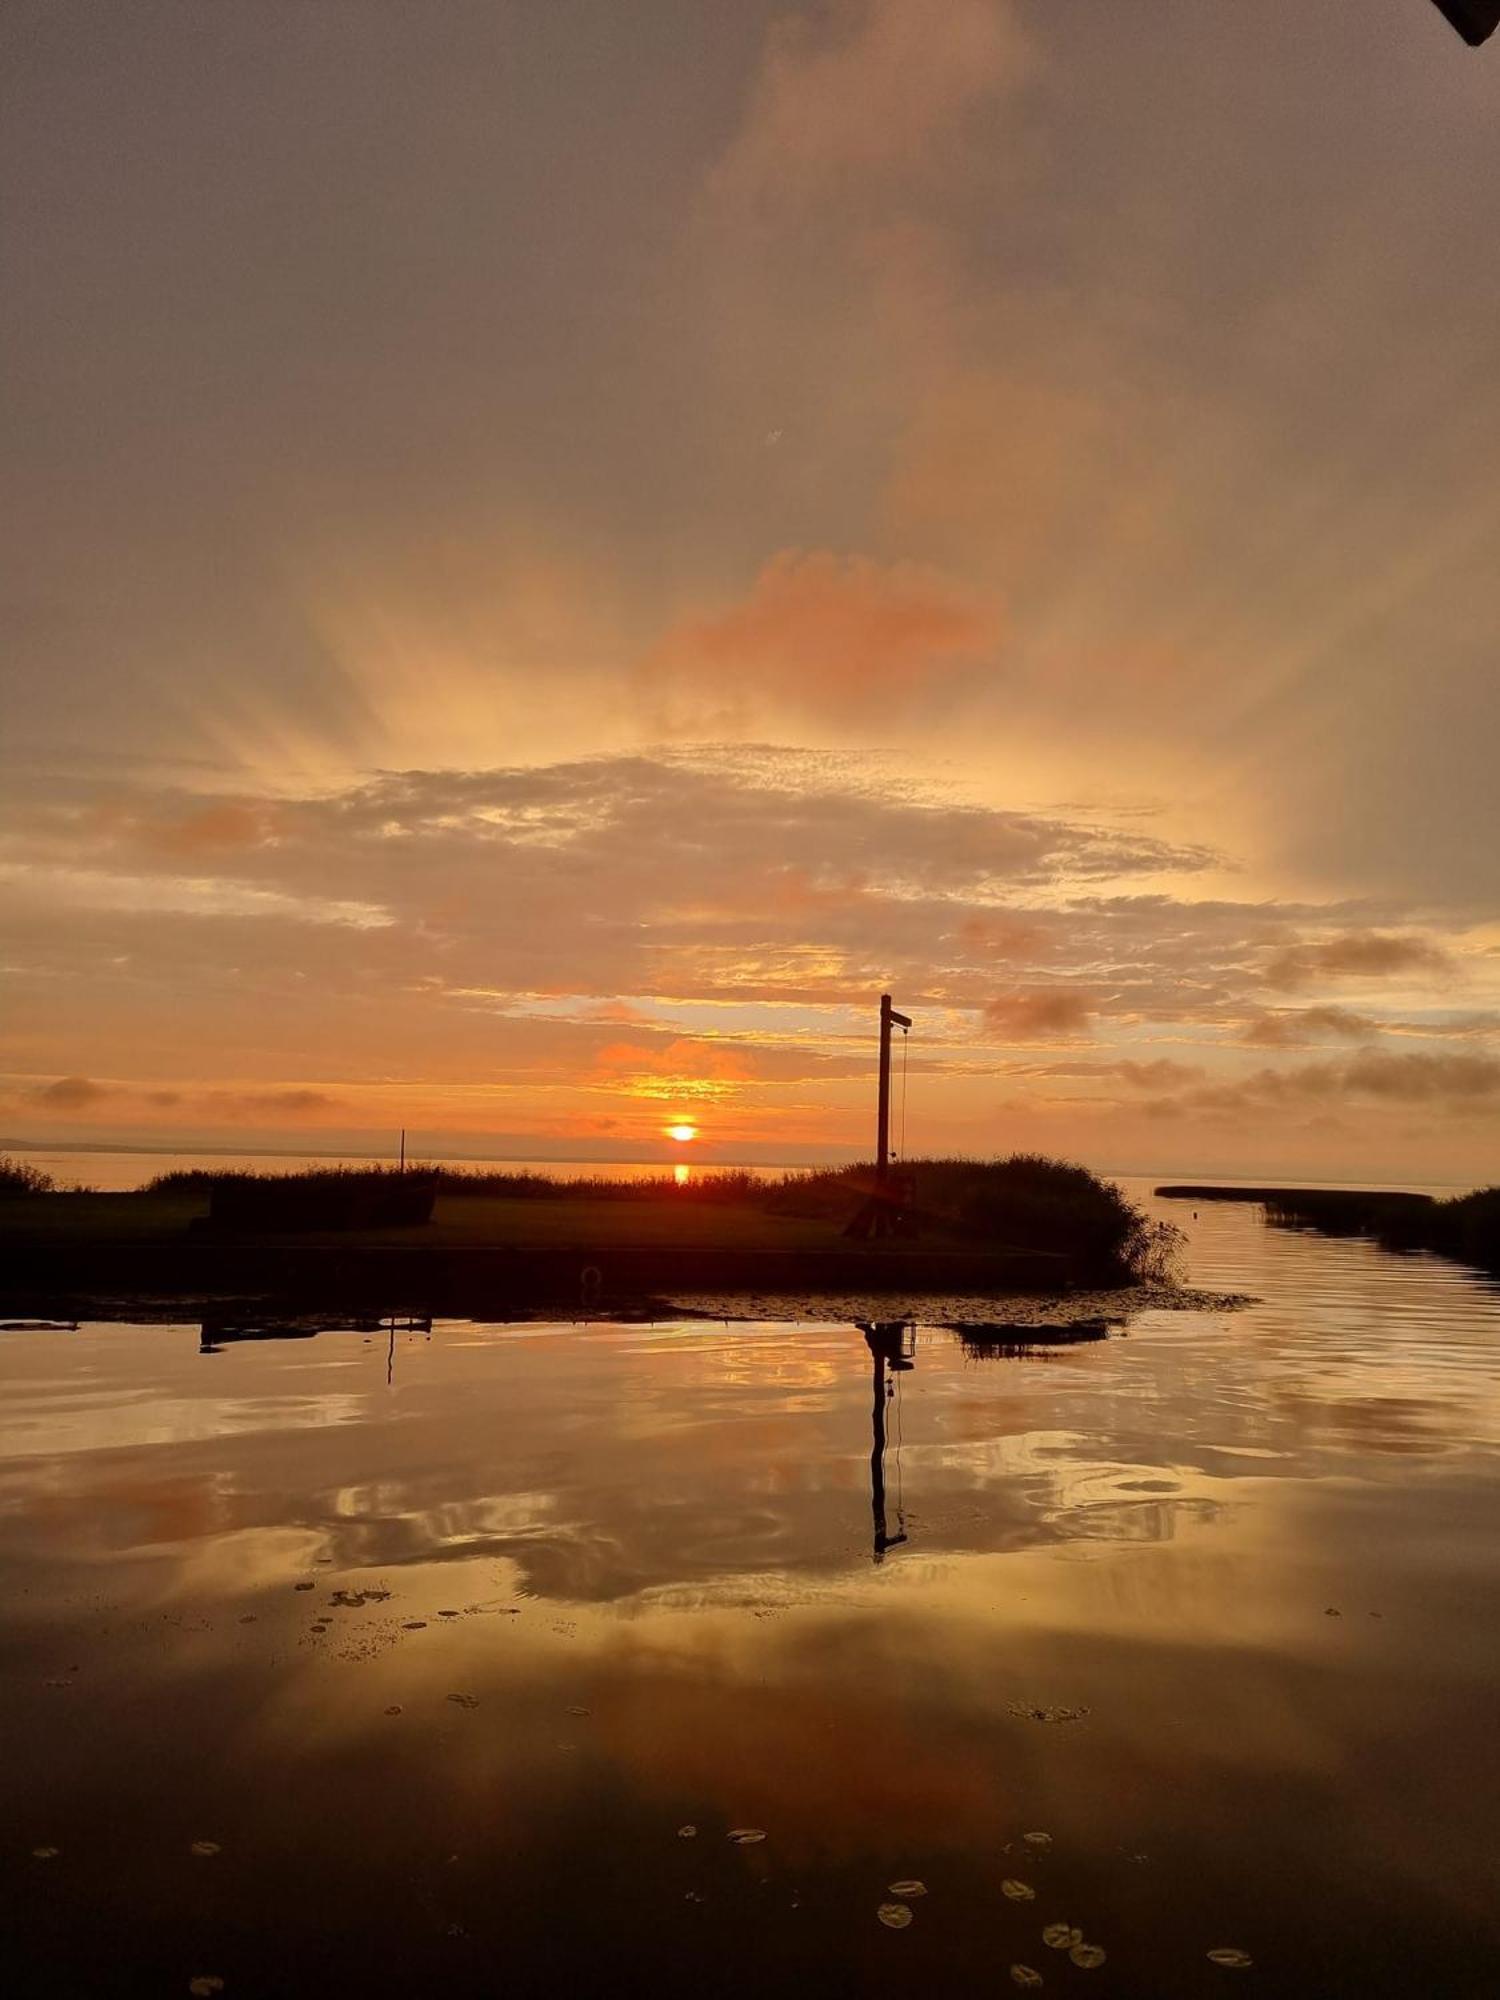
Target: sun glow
(682,1133)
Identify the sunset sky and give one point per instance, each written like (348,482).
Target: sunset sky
(558,547)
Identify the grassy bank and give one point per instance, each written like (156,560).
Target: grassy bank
(1023,1222)
(1465,1227)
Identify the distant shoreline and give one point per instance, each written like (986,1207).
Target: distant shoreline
(1465,1228)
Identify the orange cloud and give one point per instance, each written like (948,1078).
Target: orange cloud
(680,1059)
(1297,1025)
(71,1093)
(211,829)
(1369,954)
(1034,1016)
(822,633)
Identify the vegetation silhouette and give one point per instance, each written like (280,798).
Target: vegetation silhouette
(1026,1201)
(18,1179)
(1465,1228)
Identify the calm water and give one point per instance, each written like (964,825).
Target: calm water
(1213,1604)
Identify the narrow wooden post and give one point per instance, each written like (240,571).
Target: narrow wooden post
(877,1216)
(888,1018)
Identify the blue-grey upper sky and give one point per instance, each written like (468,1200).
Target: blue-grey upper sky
(1019,474)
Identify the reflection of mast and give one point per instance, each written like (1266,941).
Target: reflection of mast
(886,1340)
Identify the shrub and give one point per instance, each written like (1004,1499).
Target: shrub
(19,1177)
(1024,1202)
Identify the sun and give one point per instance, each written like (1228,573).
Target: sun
(682,1133)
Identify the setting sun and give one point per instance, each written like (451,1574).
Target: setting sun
(682,1133)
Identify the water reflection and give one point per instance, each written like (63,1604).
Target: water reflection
(891,1351)
(1212,1602)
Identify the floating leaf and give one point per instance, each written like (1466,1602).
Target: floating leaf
(1062,1937)
(575,1710)
(1025,1975)
(415,1625)
(205,1847)
(46,1853)
(205,1983)
(1229,1954)
(906,1890)
(1088,1955)
(464,1700)
(746,1836)
(895,1916)
(1037,1839)
(394,1709)
(1019,1892)
(687,1833)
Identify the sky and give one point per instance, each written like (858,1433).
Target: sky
(555,551)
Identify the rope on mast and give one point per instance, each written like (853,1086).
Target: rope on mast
(905,1046)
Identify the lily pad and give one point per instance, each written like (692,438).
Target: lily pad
(1231,1955)
(464,1700)
(895,1916)
(309,1585)
(687,1833)
(394,1709)
(746,1836)
(1037,1839)
(205,1848)
(1088,1955)
(1018,1892)
(1062,1937)
(46,1853)
(1025,1975)
(906,1890)
(576,1710)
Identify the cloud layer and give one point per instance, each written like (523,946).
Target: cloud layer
(600,946)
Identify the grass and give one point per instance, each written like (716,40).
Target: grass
(1465,1228)
(1021,1203)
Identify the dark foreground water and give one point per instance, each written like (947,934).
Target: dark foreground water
(457,1664)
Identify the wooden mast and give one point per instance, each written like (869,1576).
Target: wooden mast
(888,1018)
(878,1216)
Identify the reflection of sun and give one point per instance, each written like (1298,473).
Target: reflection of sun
(682,1133)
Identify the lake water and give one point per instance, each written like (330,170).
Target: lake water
(1213,1605)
